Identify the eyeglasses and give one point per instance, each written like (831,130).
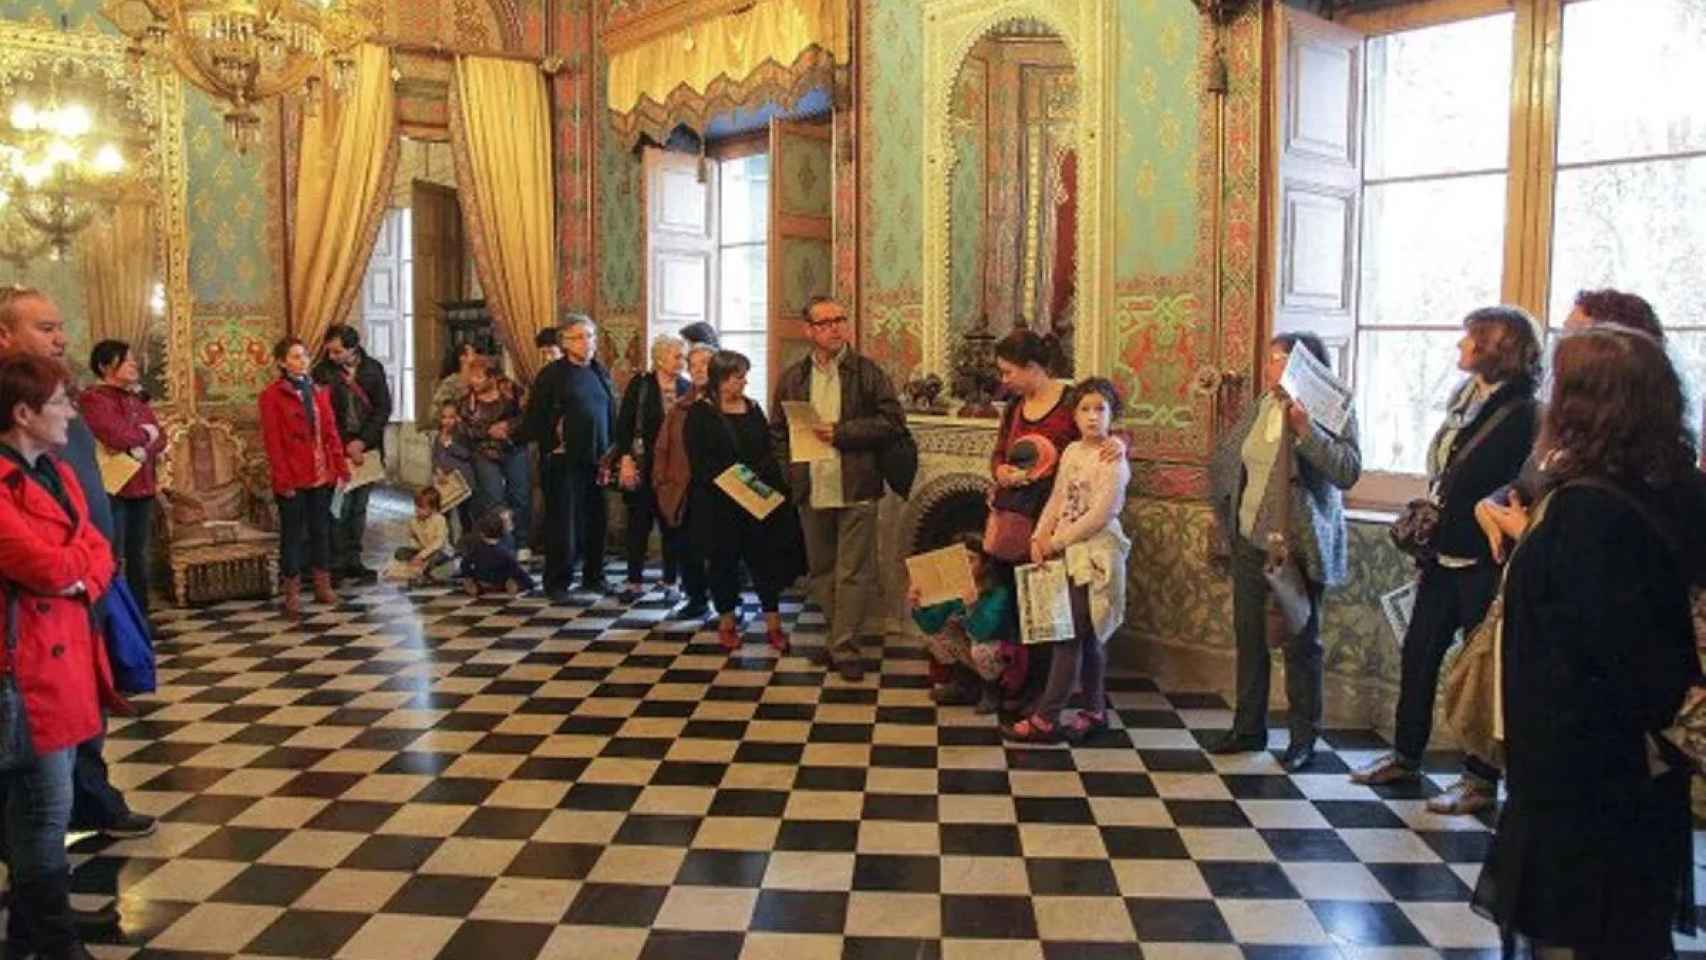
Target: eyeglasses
(827,321)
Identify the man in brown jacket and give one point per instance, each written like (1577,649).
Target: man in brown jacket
(858,415)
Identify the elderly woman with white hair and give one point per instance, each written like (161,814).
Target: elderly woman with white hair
(644,404)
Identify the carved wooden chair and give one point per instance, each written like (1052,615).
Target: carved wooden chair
(220,521)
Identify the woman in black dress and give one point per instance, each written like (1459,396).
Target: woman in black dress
(1593,855)
(724,429)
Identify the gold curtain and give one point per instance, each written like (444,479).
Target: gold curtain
(116,260)
(500,129)
(732,45)
(348,155)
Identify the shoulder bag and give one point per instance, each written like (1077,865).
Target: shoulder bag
(1288,591)
(1417,528)
(1007,533)
(16,750)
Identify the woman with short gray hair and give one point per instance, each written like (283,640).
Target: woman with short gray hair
(644,403)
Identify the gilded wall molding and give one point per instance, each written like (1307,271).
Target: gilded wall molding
(951,28)
(156,91)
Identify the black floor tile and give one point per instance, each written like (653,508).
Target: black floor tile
(791,911)
(723,868)
(1368,924)
(988,917)
(1071,878)
(896,873)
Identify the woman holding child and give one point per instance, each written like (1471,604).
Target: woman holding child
(487,418)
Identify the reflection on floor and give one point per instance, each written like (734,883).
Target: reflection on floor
(424,775)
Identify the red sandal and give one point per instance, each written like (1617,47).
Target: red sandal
(1031,729)
(728,635)
(1086,725)
(778,640)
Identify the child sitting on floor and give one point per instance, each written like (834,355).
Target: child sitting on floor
(488,565)
(971,638)
(429,540)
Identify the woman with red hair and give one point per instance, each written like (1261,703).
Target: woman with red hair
(54,565)
(1594,852)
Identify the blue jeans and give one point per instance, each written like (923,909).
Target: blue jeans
(37,814)
(508,482)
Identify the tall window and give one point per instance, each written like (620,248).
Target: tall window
(1436,136)
(1516,157)
(708,227)
(1631,170)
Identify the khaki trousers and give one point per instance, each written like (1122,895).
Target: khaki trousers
(841,556)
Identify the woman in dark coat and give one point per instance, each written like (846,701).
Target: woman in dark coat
(1488,431)
(1594,852)
(638,421)
(723,429)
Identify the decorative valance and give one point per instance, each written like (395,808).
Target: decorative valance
(726,59)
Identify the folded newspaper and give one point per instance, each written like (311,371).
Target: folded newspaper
(1045,607)
(1309,382)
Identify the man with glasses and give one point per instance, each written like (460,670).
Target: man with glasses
(571,413)
(858,415)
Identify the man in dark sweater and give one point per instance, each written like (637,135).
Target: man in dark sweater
(361,398)
(571,413)
(30,323)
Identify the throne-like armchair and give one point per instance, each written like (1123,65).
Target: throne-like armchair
(219,518)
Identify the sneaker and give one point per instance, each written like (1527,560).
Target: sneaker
(358,574)
(691,610)
(1388,769)
(1464,797)
(129,826)
(951,695)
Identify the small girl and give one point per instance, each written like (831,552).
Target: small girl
(971,638)
(1082,523)
(429,538)
(488,564)
(450,454)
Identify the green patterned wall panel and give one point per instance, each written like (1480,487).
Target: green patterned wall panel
(81,14)
(966,208)
(230,216)
(894,65)
(1175,595)
(807,270)
(1155,156)
(806,182)
(621,217)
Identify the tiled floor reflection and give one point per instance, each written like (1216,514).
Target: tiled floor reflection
(424,775)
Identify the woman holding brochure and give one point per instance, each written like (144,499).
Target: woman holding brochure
(737,506)
(1248,493)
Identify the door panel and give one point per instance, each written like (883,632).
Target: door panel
(681,243)
(1318,181)
(802,232)
(438,274)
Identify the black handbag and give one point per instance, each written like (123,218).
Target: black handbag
(1416,531)
(16,749)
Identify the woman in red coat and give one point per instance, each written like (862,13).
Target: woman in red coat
(306,458)
(54,565)
(119,416)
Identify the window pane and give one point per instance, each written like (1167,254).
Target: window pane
(1637,227)
(745,290)
(1404,379)
(746,199)
(755,346)
(1630,78)
(1439,99)
(1688,352)
(1432,250)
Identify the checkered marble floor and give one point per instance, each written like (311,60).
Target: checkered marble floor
(426,775)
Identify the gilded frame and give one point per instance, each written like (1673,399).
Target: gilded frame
(159,93)
(951,28)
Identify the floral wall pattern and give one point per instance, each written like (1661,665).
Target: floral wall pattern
(891,199)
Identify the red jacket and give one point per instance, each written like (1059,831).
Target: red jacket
(115,416)
(290,440)
(61,661)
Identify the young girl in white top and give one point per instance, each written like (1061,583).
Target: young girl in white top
(1081,523)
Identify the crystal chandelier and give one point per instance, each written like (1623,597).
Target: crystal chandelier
(247,51)
(58,171)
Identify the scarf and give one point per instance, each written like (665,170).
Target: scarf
(305,389)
